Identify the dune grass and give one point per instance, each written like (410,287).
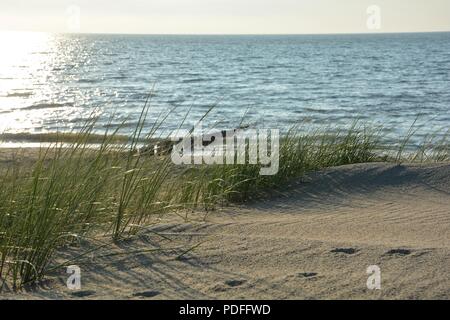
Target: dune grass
(74,191)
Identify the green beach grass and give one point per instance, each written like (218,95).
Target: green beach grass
(74,191)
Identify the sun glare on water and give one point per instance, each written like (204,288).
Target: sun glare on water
(23,58)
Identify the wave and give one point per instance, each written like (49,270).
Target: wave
(89,80)
(141,96)
(194,80)
(118,77)
(19,94)
(49,137)
(47,106)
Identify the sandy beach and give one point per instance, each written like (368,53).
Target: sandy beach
(314,239)
(224,150)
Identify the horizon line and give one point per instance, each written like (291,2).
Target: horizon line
(230,34)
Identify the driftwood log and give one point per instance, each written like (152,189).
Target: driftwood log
(164,147)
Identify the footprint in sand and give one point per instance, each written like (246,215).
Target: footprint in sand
(398,252)
(234,283)
(307,274)
(82,294)
(345,250)
(146,294)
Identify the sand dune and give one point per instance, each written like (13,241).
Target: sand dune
(313,240)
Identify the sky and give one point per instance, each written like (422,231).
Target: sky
(225,16)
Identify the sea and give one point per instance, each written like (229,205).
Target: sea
(56,82)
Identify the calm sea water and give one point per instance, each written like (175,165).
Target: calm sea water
(54,82)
